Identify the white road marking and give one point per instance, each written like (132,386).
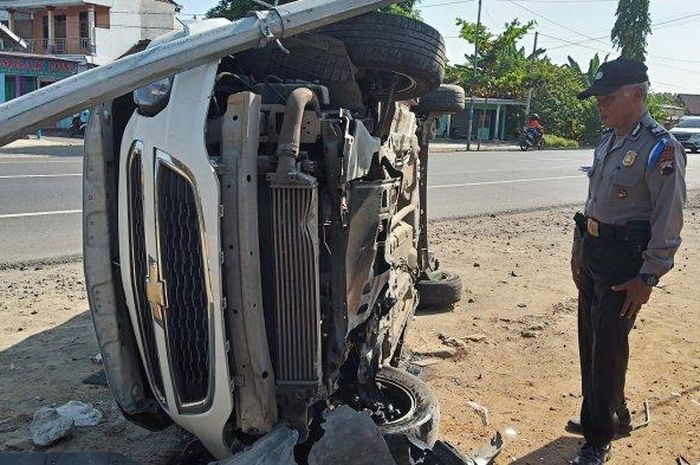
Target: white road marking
(37,159)
(22,176)
(26,215)
(508,181)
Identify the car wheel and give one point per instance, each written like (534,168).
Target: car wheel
(313,57)
(445,99)
(415,407)
(441,291)
(386,45)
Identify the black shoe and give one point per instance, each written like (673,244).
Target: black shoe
(592,455)
(622,419)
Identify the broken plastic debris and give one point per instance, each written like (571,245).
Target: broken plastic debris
(96,359)
(81,414)
(481,411)
(48,426)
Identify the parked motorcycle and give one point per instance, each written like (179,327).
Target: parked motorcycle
(531,138)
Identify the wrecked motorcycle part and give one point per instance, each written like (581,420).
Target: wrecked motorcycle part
(66,97)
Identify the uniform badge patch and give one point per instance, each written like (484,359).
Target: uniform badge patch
(622,194)
(630,158)
(667,161)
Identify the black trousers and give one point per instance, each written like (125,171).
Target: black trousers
(598,264)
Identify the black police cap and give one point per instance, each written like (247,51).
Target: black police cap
(614,74)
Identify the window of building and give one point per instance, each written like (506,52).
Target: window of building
(59,26)
(84,25)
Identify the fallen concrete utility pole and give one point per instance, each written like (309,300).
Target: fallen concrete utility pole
(29,112)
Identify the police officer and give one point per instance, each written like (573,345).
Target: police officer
(623,244)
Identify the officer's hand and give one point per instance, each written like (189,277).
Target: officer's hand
(638,294)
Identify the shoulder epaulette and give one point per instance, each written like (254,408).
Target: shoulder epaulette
(656,129)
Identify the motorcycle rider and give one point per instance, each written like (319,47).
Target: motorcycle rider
(533,128)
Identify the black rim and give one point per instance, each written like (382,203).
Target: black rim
(401,399)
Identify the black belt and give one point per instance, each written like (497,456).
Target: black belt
(633,230)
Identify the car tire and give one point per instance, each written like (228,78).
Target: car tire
(397,45)
(440,292)
(313,57)
(422,421)
(445,99)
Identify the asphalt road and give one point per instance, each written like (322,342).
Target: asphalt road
(474,183)
(41,195)
(40,203)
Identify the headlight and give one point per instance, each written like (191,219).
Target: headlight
(154,97)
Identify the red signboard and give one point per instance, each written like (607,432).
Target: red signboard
(34,66)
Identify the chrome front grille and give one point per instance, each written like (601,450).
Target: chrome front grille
(140,270)
(186,318)
(296,269)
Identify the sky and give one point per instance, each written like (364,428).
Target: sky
(576,28)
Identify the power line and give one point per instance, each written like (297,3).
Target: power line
(598,39)
(445,4)
(658,25)
(552,21)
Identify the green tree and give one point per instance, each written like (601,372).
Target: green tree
(404,8)
(632,26)
(501,69)
(586,76)
(235,9)
(555,100)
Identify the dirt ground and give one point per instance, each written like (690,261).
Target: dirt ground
(516,324)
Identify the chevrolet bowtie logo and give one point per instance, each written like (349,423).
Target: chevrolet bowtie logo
(155,291)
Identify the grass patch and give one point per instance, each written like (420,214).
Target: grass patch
(555,142)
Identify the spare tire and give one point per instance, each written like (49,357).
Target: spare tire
(439,291)
(445,99)
(394,45)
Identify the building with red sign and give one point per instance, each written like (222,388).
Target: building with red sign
(59,38)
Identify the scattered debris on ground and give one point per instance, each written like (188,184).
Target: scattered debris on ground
(531,385)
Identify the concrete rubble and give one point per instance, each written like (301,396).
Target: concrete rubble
(82,414)
(48,426)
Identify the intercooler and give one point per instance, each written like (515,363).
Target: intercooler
(297,293)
